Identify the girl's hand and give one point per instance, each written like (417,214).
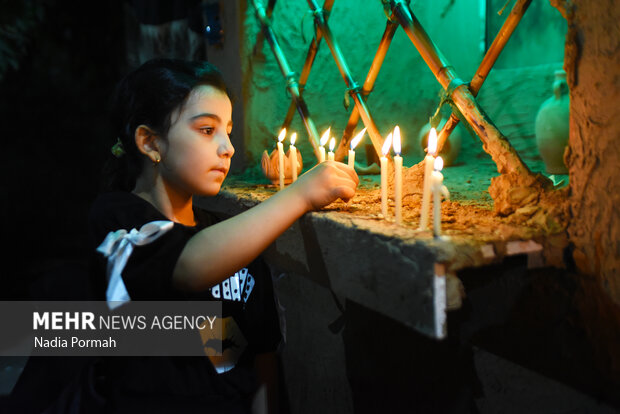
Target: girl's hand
(200,265)
(325,183)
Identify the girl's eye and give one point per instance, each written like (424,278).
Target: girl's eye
(207,130)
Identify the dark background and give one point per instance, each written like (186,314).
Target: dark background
(56,136)
(66,56)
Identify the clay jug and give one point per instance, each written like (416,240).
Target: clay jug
(551,126)
(269,164)
(451,147)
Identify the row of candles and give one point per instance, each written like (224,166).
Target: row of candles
(433,179)
(324,138)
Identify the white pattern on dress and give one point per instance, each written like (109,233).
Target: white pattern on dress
(236,288)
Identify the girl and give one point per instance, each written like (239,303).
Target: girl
(174,122)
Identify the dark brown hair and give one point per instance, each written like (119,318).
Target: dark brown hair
(148,96)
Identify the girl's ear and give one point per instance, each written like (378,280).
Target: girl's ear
(146,141)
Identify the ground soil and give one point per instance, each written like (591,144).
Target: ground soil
(468,213)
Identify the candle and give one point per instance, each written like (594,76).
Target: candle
(354,143)
(437,188)
(281,157)
(429,161)
(398,178)
(322,143)
(293,155)
(384,170)
(332,145)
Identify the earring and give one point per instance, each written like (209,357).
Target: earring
(157,160)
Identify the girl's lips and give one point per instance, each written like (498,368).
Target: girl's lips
(221,169)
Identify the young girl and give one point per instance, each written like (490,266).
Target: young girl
(174,122)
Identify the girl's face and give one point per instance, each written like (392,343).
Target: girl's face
(196,156)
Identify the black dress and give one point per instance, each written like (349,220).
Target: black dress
(176,384)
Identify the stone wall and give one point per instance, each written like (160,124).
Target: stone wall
(593,65)
(593,69)
(406,93)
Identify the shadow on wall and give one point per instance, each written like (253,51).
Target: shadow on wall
(392,368)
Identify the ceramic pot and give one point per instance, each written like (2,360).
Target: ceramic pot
(269,165)
(551,126)
(451,148)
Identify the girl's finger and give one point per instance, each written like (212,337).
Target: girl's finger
(345,170)
(344,192)
(351,172)
(340,180)
(343,188)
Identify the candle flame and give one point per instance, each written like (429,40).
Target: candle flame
(438,164)
(282,135)
(293,138)
(396,140)
(325,137)
(332,144)
(387,144)
(432,142)
(357,139)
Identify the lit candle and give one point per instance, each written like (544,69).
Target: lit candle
(437,188)
(322,143)
(354,143)
(398,178)
(429,161)
(293,155)
(281,157)
(332,145)
(384,171)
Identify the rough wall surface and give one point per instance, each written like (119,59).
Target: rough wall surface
(593,72)
(593,64)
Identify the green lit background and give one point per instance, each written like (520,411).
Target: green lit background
(406,93)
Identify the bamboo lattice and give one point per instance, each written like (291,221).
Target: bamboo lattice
(460,93)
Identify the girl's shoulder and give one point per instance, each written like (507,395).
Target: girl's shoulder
(124,210)
(120,210)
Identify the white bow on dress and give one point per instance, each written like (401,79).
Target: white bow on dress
(117,247)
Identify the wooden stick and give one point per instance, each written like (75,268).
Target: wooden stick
(291,83)
(305,72)
(369,83)
(487,63)
(493,142)
(270,5)
(373,132)
(259,37)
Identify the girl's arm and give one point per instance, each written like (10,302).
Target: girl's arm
(218,251)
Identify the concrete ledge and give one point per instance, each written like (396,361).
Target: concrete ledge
(399,272)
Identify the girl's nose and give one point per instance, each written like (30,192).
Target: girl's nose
(226,148)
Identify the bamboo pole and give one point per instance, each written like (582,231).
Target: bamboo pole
(305,72)
(487,63)
(291,83)
(369,83)
(270,5)
(259,37)
(493,142)
(355,92)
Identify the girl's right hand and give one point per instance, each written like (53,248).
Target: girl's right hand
(326,182)
(200,265)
